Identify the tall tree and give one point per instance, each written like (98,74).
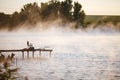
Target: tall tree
(78,14)
(31,12)
(4,20)
(54,5)
(14,20)
(66,9)
(48,10)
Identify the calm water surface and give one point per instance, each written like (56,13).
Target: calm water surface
(75,56)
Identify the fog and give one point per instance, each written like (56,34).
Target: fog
(77,53)
(51,36)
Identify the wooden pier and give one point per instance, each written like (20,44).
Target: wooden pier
(28,50)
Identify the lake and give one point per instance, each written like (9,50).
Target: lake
(76,55)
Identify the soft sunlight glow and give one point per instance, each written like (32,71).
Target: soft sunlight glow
(91,7)
(102,7)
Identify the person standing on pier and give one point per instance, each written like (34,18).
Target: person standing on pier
(28,44)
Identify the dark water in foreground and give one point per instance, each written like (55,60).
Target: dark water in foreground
(75,57)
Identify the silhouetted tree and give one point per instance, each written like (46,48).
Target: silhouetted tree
(4,20)
(66,9)
(45,10)
(14,19)
(31,13)
(78,14)
(49,11)
(54,6)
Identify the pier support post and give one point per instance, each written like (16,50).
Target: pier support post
(40,53)
(22,54)
(27,54)
(50,54)
(33,54)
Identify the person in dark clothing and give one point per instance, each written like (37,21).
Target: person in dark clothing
(28,44)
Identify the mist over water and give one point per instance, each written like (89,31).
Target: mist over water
(90,54)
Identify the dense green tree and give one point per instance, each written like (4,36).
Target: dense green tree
(49,11)
(45,11)
(4,20)
(66,9)
(14,19)
(54,5)
(78,14)
(30,12)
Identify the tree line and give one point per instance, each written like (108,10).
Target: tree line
(32,13)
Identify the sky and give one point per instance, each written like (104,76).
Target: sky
(91,7)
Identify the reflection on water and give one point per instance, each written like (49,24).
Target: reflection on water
(75,57)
